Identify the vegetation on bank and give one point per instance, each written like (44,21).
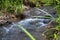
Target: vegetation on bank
(11,5)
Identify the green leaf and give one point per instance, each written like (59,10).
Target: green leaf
(25,31)
(55,35)
(58,10)
(57,27)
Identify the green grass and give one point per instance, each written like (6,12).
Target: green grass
(8,5)
(27,33)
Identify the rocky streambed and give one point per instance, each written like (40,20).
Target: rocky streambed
(36,26)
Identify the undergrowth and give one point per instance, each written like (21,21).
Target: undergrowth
(11,5)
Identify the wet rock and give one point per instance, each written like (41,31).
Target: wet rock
(43,11)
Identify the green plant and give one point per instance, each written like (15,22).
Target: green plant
(55,3)
(8,5)
(57,20)
(25,31)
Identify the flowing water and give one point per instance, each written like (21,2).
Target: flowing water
(36,26)
(12,32)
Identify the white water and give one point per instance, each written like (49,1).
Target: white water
(27,23)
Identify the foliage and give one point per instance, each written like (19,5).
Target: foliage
(11,5)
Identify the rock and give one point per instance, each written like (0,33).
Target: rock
(43,11)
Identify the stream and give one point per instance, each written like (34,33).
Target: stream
(36,26)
